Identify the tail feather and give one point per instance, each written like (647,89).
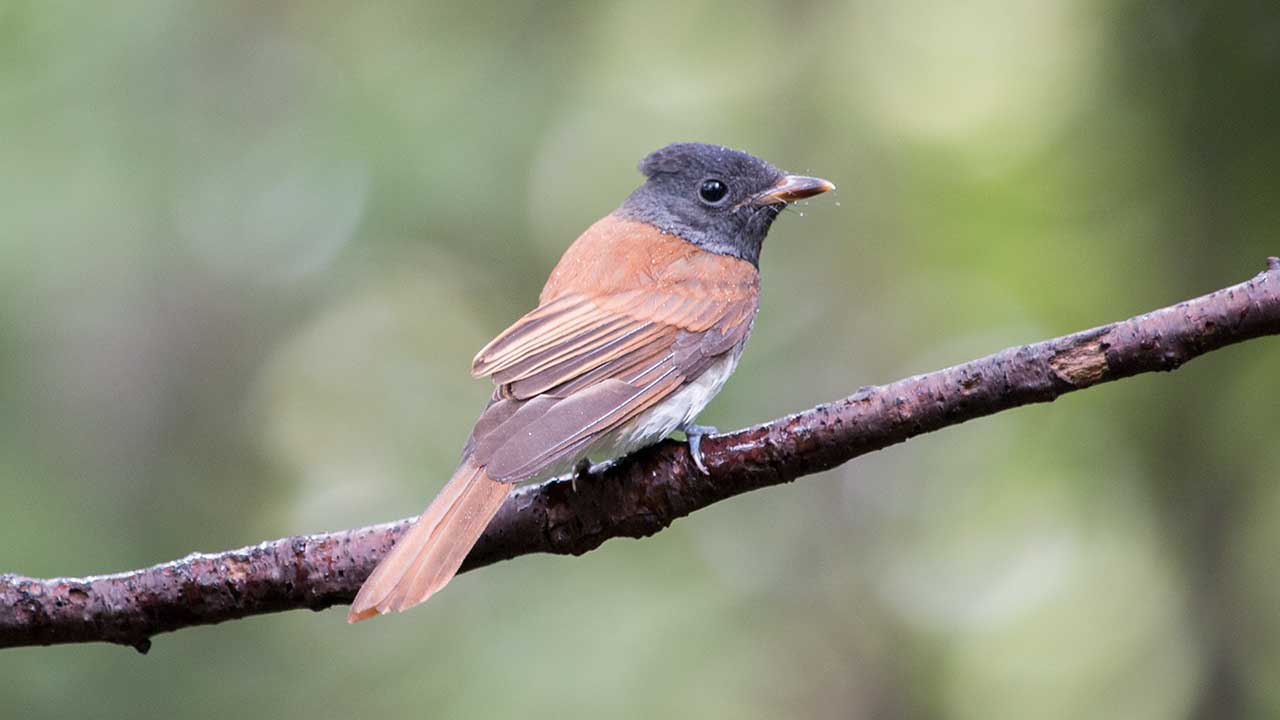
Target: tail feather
(429,554)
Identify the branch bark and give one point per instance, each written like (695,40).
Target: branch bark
(641,494)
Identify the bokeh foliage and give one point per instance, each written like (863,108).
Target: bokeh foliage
(248,249)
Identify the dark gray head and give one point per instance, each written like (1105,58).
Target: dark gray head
(719,199)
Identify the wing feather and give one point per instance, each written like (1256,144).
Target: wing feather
(535,331)
(534,362)
(642,336)
(575,421)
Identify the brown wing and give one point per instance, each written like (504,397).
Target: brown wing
(577,334)
(576,381)
(591,358)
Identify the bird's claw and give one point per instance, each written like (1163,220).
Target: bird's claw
(694,433)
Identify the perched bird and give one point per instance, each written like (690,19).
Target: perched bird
(639,326)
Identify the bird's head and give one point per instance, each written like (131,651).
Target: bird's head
(717,198)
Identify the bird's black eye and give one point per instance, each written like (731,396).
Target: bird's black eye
(713,191)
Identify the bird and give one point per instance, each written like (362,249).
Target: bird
(640,324)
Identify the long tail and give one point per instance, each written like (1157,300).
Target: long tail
(428,556)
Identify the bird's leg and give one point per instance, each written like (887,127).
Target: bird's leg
(693,433)
(580,470)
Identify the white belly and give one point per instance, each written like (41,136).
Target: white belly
(662,419)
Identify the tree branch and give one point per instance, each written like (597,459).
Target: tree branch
(643,493)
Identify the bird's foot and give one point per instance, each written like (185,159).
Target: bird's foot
(693,433)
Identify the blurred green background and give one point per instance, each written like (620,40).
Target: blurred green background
(248,250)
